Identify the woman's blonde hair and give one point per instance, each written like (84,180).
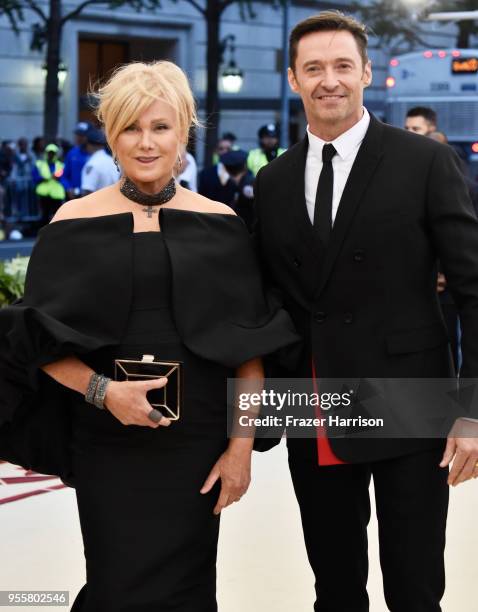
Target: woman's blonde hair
(132,88)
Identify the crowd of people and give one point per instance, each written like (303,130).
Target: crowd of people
(36,180)
(423,120)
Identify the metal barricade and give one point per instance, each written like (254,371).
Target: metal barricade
(20,201)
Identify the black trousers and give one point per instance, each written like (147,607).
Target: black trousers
(450,314)
(411,495)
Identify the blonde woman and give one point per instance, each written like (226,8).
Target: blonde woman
(141,267)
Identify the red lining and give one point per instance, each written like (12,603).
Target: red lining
(325,454)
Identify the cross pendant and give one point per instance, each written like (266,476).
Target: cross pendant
(149,210)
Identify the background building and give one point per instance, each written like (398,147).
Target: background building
(100,38)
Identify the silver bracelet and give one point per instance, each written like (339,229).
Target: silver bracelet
(90,392)
(100,392)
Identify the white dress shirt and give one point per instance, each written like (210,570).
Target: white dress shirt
(98,172)
(190,173)
(347,146)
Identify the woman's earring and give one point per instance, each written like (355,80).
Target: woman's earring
(116,164)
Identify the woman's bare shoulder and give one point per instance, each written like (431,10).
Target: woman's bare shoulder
(198,203)
(92,205)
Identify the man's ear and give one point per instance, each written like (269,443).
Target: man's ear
(292,80)
(367,74)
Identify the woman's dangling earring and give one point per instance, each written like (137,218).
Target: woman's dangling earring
(177,166)
(116,164)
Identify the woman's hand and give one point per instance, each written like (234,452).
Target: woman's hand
(234,465)
(126,400)
(234,469)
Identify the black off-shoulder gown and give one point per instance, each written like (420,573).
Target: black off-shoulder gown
(190,293)
(150,537)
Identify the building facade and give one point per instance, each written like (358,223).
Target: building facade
(101,38)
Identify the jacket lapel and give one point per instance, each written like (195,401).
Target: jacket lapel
(299,206)
(364,166)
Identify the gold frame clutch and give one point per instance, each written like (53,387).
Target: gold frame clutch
(168,398)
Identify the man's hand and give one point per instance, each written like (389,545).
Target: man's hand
(465,451)
(441,282)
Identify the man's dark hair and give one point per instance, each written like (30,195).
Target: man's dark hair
(329,21)
(423,111)
(36,142)
(229,136)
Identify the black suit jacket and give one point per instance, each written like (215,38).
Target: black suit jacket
(367,306)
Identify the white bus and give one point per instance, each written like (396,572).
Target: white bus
(447,81)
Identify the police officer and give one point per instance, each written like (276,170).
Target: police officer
(267,151)
(230,182)
(100,170)
(75,160)
(187,171)
(226,143)
(47,175)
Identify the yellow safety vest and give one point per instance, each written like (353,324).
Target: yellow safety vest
(49,187)
(257,159)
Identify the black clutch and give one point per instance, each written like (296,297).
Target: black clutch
(167,399)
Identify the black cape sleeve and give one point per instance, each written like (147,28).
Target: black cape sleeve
(76,272)
(222,312)
(77,299)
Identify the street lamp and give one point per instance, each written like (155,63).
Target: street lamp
(62,72)
(454,16)
(416,8)
(232,77)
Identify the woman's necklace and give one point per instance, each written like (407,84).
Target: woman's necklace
(131,191)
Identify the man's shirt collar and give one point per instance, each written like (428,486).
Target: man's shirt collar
(345,144)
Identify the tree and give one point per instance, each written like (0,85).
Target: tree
(49,32)
(398,24)
(212,11)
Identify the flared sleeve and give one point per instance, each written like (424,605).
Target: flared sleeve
(221,309)
(77,299)
(70,307)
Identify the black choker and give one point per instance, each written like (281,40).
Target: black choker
(131,191)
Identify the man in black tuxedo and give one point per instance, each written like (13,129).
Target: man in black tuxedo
(351,222)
